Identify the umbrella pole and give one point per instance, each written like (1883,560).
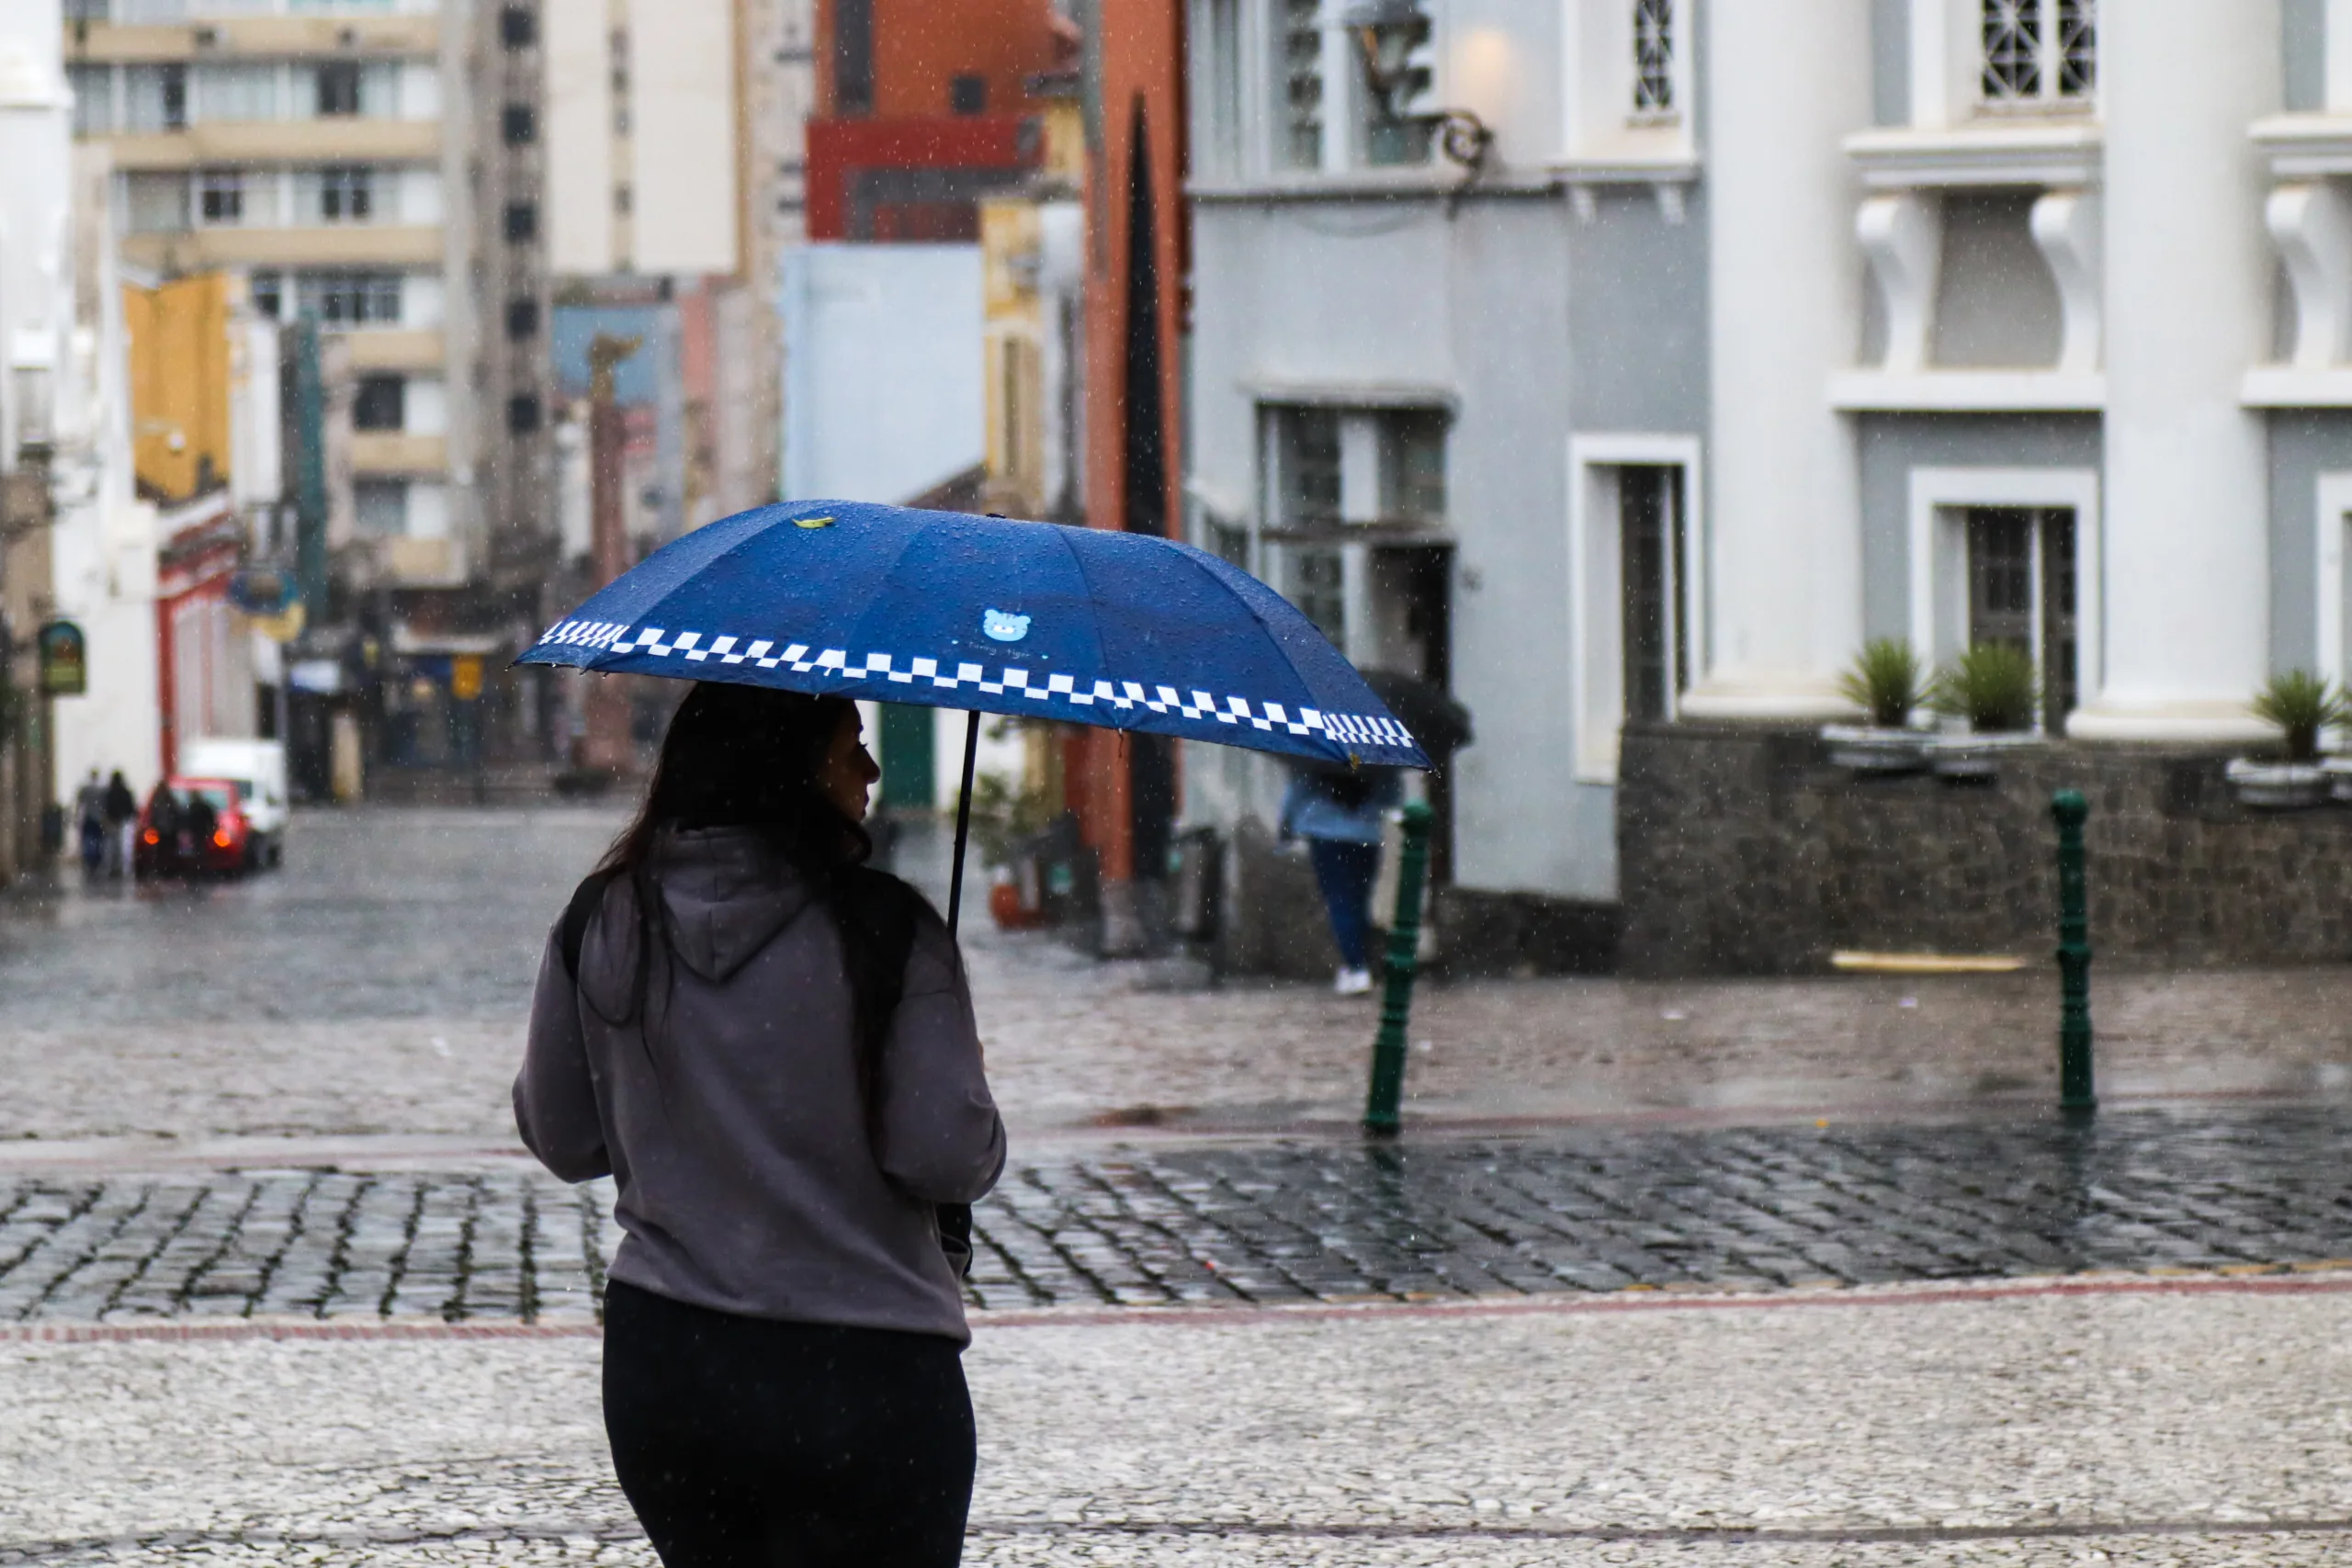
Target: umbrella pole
(963,818)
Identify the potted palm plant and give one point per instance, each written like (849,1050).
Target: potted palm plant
(2301,705)
(1994,689)
(1888,682)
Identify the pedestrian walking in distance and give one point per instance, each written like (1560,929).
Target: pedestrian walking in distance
(770,1047)
(1339,815)
(122,823)
(90,824)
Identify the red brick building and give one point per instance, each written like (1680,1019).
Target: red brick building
(924,108)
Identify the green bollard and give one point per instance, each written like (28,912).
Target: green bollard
(2076,1095)
(1380,1112)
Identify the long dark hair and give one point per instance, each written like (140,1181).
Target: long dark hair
(749,757)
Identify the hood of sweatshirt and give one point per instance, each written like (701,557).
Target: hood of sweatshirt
(725,895)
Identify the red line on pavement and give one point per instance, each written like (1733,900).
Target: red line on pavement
(1241,1314)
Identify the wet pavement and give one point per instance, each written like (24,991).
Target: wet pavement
(2230,1191)
(1778,1274)
(374,990)
(2173,1423)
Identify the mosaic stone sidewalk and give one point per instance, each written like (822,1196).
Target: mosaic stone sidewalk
(1279,1223)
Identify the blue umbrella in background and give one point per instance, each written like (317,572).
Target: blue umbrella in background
(1121,631)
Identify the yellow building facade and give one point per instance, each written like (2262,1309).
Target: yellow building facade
(181,369)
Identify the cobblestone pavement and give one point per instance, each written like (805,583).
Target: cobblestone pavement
(1593,1211)
(376,989)
(2207,1427)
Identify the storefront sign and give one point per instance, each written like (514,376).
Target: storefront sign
(64,661)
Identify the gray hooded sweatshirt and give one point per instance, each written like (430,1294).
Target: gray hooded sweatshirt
(753,1178)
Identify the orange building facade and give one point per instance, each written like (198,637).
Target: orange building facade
(924,108)
(1125,788)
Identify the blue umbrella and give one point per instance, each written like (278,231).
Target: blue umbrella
(1122,631)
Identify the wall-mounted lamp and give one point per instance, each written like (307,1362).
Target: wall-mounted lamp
(1390,36)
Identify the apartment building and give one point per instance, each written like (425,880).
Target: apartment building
(375,167)
(1627,363)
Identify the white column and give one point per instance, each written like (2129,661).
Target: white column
(1787,81)
(2189,279)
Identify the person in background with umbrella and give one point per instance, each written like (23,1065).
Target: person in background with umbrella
(1339,815)
(771,1050)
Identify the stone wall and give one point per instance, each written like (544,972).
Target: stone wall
(1743,851)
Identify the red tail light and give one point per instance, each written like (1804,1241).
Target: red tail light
(220,836)
(154,837)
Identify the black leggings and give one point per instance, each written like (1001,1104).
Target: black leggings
(797,1445)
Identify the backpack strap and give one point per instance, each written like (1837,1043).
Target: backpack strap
(886,911)
(586,899)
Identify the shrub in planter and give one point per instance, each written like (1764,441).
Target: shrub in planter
(2301,705)
(1992,686)
(1886,682)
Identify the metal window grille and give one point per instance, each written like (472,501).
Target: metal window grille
(1653,57)
(2039,52)
(2012,51)
(2077,47)
(1302,57)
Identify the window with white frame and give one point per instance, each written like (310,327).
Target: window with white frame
(379,507)
(1633,599)
(1655,41)
(1332,468)
(156,203)
(1650,549)
(2039,54)
(341,194)
(154,99)
(237,91)
(350,299)
(1217,102)
(220,197)
(93,98)
(2022,593)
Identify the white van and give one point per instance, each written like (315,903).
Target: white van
(258,770)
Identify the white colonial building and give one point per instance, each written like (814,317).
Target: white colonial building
(1616,360)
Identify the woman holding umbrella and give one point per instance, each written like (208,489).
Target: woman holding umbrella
(771,1049)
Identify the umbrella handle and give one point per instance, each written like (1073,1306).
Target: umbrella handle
(963,818)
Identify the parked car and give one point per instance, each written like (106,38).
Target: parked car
(258,770)
(168,842)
